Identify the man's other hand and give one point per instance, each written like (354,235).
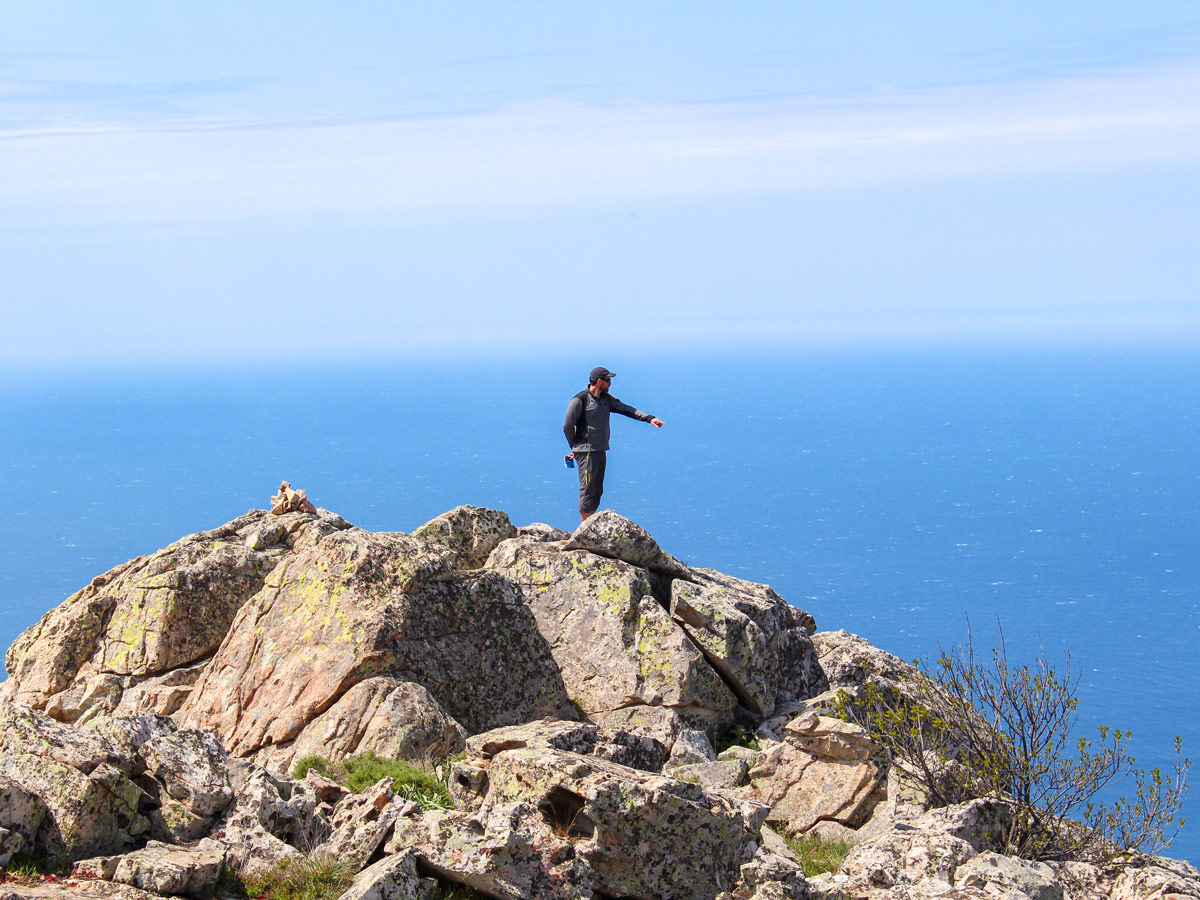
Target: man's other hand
(657,423)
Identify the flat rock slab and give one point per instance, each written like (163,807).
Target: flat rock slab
(161,868)
(73,889)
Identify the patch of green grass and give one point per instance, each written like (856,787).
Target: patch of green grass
(315,877)
(320,764)
(25,866)
(409,782)
(360,772)
(816,854)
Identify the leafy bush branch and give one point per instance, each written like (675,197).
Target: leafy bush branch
(972,726)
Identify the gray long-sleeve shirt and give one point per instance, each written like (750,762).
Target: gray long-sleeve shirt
(596,411)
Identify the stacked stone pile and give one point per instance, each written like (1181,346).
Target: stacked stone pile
(570,685)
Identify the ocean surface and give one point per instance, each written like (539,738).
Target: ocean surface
(902,497)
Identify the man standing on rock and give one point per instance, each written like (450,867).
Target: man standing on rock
(586,430)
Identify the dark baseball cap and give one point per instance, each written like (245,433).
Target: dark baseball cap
(601,372)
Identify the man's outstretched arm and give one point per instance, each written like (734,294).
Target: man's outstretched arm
(626,410)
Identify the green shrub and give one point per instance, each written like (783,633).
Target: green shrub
(360,772)
(409,782)
(971,727)
(315,877)
(816,854)
(319,764)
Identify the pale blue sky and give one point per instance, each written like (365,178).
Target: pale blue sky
(385,180)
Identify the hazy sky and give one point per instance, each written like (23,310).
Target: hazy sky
(211,181)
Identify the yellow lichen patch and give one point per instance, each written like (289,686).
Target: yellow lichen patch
(652,637)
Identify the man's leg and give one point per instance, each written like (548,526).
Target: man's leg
(591,481)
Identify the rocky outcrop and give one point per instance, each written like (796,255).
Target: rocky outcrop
(152,614)
(362,822)
(580,682)
(559,824)
(89,803)
(751,636)
(357,605)
(273,819)
(821,772)
(614,643)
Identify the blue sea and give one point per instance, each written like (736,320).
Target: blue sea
(904,497)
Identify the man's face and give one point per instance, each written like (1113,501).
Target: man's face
(603,384)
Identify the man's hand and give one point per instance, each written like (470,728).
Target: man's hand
(657,423)
(570,456)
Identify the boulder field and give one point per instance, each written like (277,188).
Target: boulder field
(569,689)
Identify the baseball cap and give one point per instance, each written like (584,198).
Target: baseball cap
(601,372)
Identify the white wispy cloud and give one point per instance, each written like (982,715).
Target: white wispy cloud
(563,155)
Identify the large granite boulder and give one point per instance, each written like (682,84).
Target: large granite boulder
(821,772)
(151,614)
(614,643)
(850,662)
(470,533)
(559,824)
(382,715)
(183,772)
(82,779)
(394,877)
(610,534)
(161,869)
(358,605)
(22,817)
(642,835)
(757,641)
